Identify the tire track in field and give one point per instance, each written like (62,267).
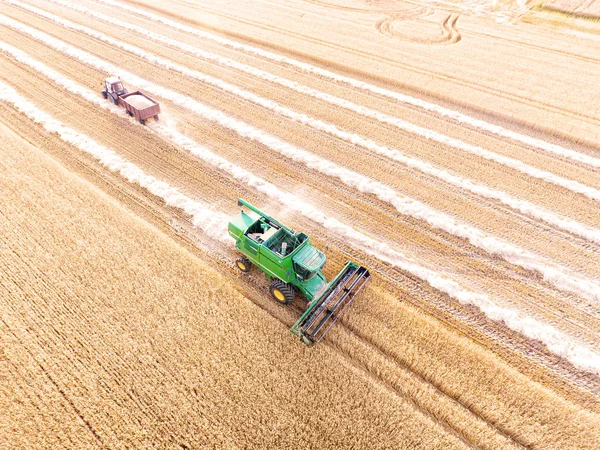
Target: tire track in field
(141,144)
(472,84)
(215,69)
(268,188)
(440,110)
(556,275)
(29,108)
(449,34)
(309,68)
(391,153)
(32,391)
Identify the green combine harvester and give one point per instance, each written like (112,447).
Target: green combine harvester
(287,258)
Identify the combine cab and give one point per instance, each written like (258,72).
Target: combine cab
(137,104)
(287,258)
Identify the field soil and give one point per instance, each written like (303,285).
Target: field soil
(458,137)
(412,45)
(113,336)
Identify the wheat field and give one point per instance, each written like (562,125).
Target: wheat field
(436,143)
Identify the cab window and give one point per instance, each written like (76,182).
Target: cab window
(302,273)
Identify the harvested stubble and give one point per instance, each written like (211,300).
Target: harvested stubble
(115,337)
(538,97)
(121,338)
(133,342)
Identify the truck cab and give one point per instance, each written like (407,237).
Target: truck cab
(113,89)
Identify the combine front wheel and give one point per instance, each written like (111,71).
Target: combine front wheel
(282,292)
(243,264)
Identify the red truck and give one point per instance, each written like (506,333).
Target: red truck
(137,104)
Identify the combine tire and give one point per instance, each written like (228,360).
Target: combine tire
(243,264)
(282,292)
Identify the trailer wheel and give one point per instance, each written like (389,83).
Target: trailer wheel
(243,264)
(156,117)
(282,292)
(142,121)
(129,113)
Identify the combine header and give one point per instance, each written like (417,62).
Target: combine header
(287,258)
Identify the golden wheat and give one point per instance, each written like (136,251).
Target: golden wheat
(115,336)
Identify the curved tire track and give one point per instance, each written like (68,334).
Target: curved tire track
(449,34)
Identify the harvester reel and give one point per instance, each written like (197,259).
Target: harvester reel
(243,264)
(282,292)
